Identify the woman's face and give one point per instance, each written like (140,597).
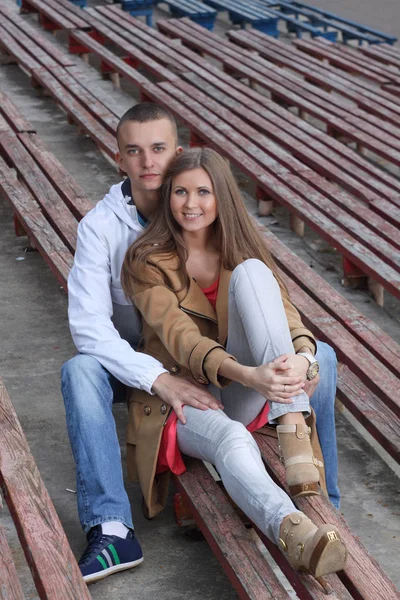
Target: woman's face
(193,203)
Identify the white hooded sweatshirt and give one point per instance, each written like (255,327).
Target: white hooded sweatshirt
(103,323)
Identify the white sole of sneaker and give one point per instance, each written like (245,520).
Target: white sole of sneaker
(115,569)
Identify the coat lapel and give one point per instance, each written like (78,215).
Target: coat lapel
(196,302)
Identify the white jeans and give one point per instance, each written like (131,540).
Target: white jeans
(258,332)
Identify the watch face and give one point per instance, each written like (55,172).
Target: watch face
(312,371)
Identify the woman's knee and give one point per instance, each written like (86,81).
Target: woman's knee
(234,437)
(252,267)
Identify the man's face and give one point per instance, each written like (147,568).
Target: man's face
(145,151)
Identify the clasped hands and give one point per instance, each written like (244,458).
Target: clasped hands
(278,381)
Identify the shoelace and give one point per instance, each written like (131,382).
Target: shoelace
(96,544)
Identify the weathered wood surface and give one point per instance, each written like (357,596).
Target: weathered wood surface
(15,119)
(109,57)
(28,212)
(54,568)
(232,544)
(15,50)
(76,111)
(87,99)
(353,164)
(309,99)
(372,413)
(66,187)
(382,55)
(337,57)
(148,57)
(371,98)
(362,576)
(60,14)
(55,210)
(32,41)
(10,587)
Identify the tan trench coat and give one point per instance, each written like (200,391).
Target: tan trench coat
(184,332)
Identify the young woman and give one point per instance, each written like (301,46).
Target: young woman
(214,309)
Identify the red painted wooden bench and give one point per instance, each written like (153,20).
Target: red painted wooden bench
(55,14)
(47,551)
(336,114)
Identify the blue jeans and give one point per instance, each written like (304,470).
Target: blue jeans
(89,392)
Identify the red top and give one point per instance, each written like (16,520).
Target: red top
(169,455)
(211,293)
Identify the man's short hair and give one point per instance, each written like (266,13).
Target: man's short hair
(143,112)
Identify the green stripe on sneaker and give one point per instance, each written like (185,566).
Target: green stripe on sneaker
(102,562)
(115,554)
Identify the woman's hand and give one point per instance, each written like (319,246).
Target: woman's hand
(280,380)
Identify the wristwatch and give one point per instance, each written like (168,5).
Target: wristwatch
(313,367)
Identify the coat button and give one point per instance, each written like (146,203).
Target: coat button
(163,409)
(147,410)
(175,369)
(202,380)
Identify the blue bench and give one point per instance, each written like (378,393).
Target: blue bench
(318,20)
(386,38)
(255,11)
(197,11)
(138,8)
(240,13)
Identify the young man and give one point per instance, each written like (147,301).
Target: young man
(106,330)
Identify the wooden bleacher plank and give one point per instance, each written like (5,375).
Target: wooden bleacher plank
(362,576)
(10,587)
(15,50)
(372,99)
(28,213)
(244,564)
(76,111)
(12,115)
(66,187)
(357,219)
(334,111)
(377,179)
(112,61)
(20,29)
(99,111)
(335,57)
(149,57)
(62,16)
(58,215)
(42,537)
(377,419)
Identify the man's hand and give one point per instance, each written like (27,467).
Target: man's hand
(176,392)
(310,386)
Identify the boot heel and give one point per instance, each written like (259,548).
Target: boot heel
(329,554)
(304,489)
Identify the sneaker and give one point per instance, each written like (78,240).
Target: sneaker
(107,554)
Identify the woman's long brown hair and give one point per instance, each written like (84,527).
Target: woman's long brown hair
(236,235)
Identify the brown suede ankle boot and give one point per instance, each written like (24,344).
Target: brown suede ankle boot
(318,550)
(302,475)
